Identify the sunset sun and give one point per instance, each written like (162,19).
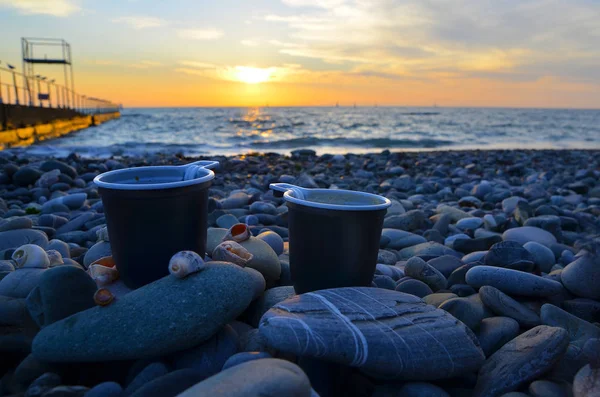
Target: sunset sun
(252,75)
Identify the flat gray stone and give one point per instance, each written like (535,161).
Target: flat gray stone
(495,332)
(512,282)
(19,237)
(269,299)
(418,269)
(386,333)
(162,317)
(16,223)
(503,305)
(265,377)
(521,360)
(428,250)
(446,264)
(542,256)
(19,283)
(582,276)
(469,310)
(525,234)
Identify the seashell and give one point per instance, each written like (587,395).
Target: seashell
(230,251)
(31,255)
(107,261)
(184,263)
(103,297)
(103,275)
(238,233)
(102,234)
(55,258)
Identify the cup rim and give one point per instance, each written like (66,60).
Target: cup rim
(98,180)
(385,202)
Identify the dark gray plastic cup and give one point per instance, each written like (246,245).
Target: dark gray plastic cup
(333,235)
(153,213)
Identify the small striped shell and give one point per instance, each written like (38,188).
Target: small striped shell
(230,251)
(238,233)
(185,263)
(31,255)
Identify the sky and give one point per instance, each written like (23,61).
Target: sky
(510,53)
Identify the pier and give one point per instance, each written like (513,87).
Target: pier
(34,108)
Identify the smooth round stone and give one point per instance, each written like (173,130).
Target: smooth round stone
(19,283)
(474,257)
(421,389)
(58,165)
(47,303)
(469,310)
(454,213)
(226,221)
(450,240)
(586,309)
(76,223)
(243,357)
(66,391)
(108,333)
(170,384)
(400,239)
(386,257)
(53,221)
(208,358)
(418,269)
(412,220)
(265,260)
(13,312)
(19,237)
(386,282)
(494,332)
(42,384)
(469,201)
(537,350)
(258,282)
(469,223)
(367,328)
(150,372)
(105,389)
(542,256)
(390,271)
(582,276)
(476,244)
(259,207)
(462,290)
(395,209)
(525,234)
(546,388)
(438,298)
(71,201)
(433,235)
(428,250)
(506,253)
(269,299)
(60,246)
(510,204)
(503,305)
(273,239)
(26,176)
(445,264)
(266,377)
(414,287)
(16,223)
(458,276)
(587,382)
(512,282)
(28,370)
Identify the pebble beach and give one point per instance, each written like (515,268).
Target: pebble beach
(487,283)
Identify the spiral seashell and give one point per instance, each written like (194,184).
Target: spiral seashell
(55,258)
(103,297)
(31,255)
(238,233)
(184,263)
(230,251)
(102,234)
(103,275)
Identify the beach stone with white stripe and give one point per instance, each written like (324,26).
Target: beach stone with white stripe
(386,333)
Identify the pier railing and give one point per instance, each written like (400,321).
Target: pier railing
(18,89)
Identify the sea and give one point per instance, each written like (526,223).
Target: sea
(228,131)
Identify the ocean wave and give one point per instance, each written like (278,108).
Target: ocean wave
(352,142)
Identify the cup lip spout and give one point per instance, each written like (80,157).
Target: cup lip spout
(384,202)
(110,179)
